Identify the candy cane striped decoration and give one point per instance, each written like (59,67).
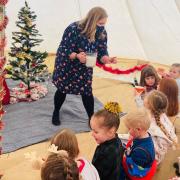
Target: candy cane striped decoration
(3,24)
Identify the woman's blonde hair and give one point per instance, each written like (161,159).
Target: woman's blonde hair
(138,118)
(66,140)
(157,104)
(89,23)
(58,166)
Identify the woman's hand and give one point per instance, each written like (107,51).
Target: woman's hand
(113,60)
(82,57)
(109,60)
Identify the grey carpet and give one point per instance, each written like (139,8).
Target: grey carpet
(30,123)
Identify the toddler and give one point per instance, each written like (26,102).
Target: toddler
(139,158)
(108,155)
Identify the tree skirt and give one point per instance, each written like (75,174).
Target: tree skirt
(27,123)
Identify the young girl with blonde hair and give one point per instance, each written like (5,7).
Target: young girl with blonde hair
(139,158)
(108,154)
(161,129)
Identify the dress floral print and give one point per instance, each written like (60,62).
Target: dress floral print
(72,76)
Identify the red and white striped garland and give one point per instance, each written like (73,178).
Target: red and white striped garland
(2,43)
(4,23)
(1,109)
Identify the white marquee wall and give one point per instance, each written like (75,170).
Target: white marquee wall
(145,29)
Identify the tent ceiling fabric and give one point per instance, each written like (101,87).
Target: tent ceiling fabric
(146,29)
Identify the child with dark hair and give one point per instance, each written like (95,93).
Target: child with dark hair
(108,155)
(149,79)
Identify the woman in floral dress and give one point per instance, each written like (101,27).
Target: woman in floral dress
(71,75)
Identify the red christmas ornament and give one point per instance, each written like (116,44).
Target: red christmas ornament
(3,2)
(33,65)
(21,85)
(27,92)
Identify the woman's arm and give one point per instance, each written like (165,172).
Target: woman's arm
(68,42)
(102,47)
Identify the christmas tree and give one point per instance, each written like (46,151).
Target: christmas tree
(26,64)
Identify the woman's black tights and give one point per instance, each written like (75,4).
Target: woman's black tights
(59,98)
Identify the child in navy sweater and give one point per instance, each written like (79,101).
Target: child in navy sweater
(139,157)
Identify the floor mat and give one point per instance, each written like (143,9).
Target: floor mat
(27,123)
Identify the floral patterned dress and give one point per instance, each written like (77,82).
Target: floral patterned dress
(72,76)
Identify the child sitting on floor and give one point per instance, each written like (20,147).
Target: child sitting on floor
(108,155)
(175,74)
(66,140)
(149,79)
(58,166)
(161,128)
(139,158)
(170,88)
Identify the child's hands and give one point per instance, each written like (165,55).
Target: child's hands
(36,162)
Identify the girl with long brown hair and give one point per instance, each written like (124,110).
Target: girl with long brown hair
(161,128)
(170,88)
